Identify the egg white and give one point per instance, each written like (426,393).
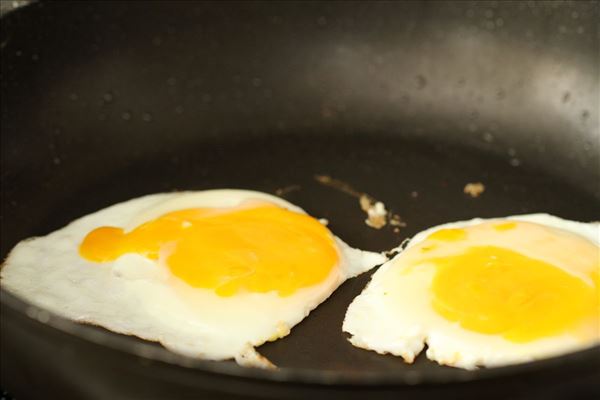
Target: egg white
(136,296)
(401,322)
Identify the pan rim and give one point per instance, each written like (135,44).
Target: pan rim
(151,352)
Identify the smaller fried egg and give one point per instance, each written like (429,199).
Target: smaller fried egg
(208,274)
(485,293)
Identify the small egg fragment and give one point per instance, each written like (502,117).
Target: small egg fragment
(208,274)
(485,292)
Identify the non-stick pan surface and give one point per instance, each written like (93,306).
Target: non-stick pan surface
(408,102)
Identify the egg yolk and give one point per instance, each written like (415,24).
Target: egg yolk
(493,290)
(448,235)
(256,249)
(488,279)
(505,226)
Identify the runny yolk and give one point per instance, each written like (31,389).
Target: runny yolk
(258,249)
(505,226)
(495,290)
(448,235)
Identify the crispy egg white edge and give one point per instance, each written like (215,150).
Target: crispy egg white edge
(367,307)
(147,208)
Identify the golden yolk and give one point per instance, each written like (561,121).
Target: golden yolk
(259,249)
(505,226)
(448,235)
(494,290)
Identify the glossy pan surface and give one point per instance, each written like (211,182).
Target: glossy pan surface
(406,101)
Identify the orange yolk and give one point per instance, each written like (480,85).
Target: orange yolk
(505,226)
(495,290)
(258,249)
(448,235)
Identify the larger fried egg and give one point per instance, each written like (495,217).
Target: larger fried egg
(208,274)
(485,293)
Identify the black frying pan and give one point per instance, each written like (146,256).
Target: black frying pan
(102,102)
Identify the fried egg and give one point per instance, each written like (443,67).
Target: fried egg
(208,274)
(485,292)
